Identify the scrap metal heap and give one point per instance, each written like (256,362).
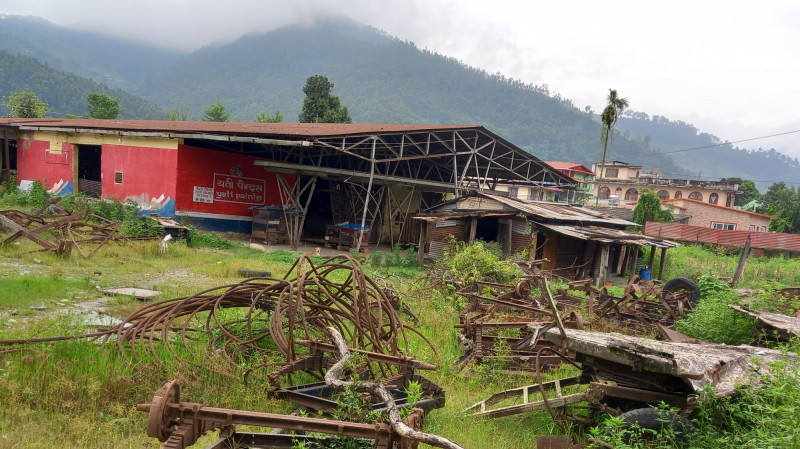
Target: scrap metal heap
(59,231)
(277,324)
(497,321)
(642,306)
(494,326)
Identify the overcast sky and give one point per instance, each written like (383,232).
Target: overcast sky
(731,68)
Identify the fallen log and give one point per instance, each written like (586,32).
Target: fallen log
(400,427)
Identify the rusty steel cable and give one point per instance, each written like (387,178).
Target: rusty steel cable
(258,320)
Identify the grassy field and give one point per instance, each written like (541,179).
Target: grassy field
(78,393)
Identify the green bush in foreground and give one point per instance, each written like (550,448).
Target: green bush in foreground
(480,261)
(713,320)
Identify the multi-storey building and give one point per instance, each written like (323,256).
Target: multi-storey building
(623,183)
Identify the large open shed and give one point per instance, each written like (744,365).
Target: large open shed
(214,174)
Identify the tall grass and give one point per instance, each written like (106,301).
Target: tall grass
(78,394)
(692,261)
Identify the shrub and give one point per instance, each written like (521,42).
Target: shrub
(480,261)
(11,195)
(713,320)
(209,240)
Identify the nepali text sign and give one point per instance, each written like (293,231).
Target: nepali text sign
(236,189)
(203,194)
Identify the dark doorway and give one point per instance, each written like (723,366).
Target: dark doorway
(89,181)
(9,162)
(319,212)
(487,229)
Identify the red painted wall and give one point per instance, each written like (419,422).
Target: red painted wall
(196,169)
(146,172)
(35,162)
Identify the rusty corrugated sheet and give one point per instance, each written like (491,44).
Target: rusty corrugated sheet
(457,215)
(557,211)
(520,235)
(761,240)
(251,128)
(607,235)
(440,236)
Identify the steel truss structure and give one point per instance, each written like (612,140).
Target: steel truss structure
(431,160)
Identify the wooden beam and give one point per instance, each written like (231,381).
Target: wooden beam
(603,273)
(473,229)
(621,259)
(534,243)
(662,263)
(423,235)
(740,267)
(634,260)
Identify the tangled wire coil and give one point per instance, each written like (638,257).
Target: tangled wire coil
(264,318)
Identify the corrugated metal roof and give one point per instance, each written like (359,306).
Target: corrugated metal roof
(574,166)
(608,235)
(457,215)
(573,220)
(556,211)
(239,128)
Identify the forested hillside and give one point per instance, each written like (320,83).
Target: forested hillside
(704,156)
(65,93)
(105,59)
(379,78)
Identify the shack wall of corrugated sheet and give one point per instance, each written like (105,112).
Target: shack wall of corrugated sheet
(440,232)
(520,235)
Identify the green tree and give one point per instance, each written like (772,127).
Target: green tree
(612,112)
(783,203)
(216,113)
(650,208)
(746,193)
(26,105)
(103,106)
(177,115)
(265,118)
(320,106)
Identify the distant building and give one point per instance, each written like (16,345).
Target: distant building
(579,191)
(627,182)
(707,215)
(582,175)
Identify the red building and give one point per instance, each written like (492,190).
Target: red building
(211,174)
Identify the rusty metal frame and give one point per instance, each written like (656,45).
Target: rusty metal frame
(179,424)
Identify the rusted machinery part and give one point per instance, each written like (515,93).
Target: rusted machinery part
(159,423)
(180,424)
(523,288)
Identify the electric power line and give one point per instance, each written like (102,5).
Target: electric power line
(715,145)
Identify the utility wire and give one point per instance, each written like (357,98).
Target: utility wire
(715,145)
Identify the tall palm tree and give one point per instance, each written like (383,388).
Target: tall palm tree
(611,113)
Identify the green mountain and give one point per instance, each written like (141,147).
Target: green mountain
(379,78)
(105,59)
(65,93)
